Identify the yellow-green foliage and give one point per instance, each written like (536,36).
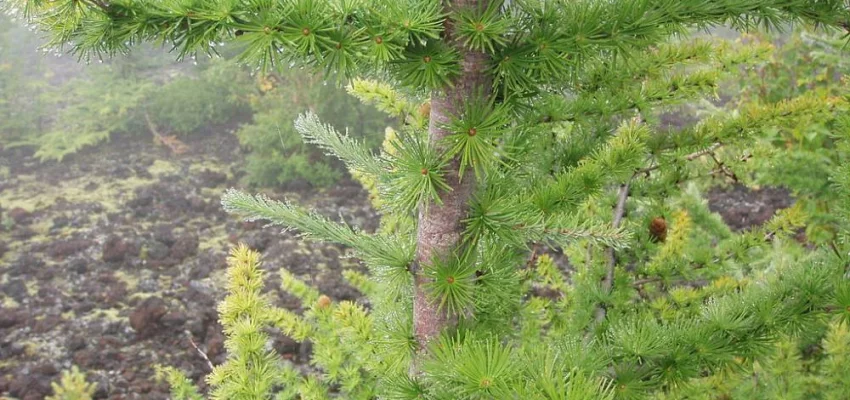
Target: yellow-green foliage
(72,386)
(635,318)
(251,370)
(549,274)
(341,335)
(390,222)
(388,100)
(181,387)
(784,375)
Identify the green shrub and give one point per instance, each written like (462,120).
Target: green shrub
(88,112)
(278,156)
(187,104)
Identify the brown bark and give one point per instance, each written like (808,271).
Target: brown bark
(440,227)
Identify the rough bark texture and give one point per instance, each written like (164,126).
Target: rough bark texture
(440,226)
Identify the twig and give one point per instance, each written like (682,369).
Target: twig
(152,127)
(641,282)
(532,258)
(724,169)
(175,145)
(608,281)
(99,4)
(204,355)
(689,157)
(835,250)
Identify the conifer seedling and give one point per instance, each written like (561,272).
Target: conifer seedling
(524,125)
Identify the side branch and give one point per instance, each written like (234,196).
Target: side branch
(689,157)
(619,213)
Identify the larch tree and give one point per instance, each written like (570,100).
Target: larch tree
(522,124)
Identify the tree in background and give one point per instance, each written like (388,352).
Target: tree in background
(535,111)
(20,106)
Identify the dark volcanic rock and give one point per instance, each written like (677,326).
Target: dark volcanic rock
(174,319)
(197,204)
(78,265)
(205,263)
(16,289)
(9,317)
(25,264)
(46,369)
(742,207)
(60,222)
(30,387)
(75,343)
(117,249)
(46,324)
(87,359)
(257,240)
(156,250)
(164,234)
(214,343)
(22,233)
(75,297)
(146,317)
(64,248)
(185,246)
(20,216)
(144,198)
(211,179)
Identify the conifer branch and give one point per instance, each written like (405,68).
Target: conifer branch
(388,100)
(568,230)
(382,251)
(608,280)
(344,147)
(251,370)
(689,157)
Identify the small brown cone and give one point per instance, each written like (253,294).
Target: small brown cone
(324,301)
(658,229)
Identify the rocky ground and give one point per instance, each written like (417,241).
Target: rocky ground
(114,260)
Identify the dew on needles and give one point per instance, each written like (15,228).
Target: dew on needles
(567,226)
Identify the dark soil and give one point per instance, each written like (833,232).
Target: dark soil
(742,207)
(114,261)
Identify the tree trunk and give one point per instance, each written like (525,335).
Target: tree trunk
(440,227)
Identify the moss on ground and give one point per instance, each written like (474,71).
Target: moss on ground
(163,167)
(32,195)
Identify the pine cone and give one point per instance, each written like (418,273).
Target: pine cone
(324,301)
(658,229)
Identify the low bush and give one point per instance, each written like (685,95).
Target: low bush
(277,155)
(187,104)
